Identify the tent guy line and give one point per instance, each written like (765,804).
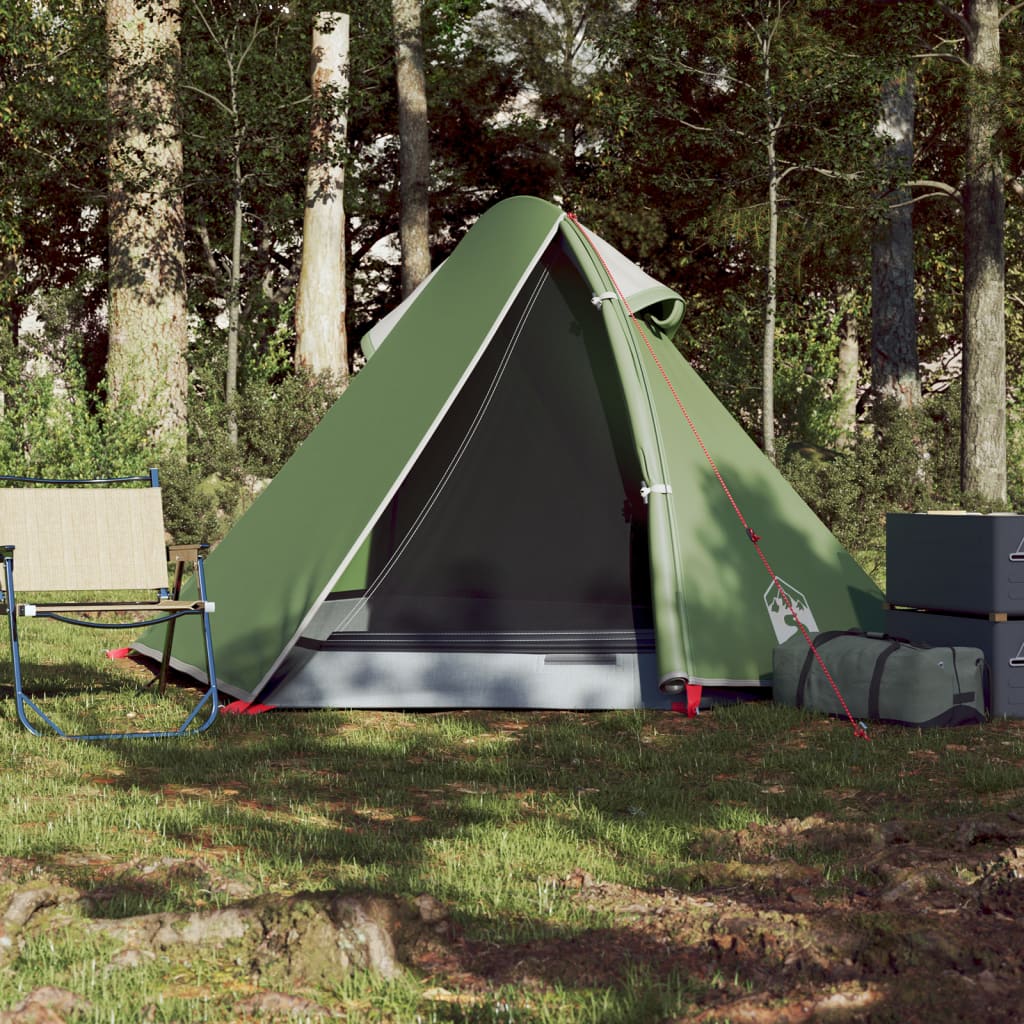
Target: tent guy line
(859,728)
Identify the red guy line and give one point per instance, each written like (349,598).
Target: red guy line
(858,728)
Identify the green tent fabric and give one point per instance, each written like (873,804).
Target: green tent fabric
(508,508)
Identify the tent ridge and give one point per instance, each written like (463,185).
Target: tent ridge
(667,565)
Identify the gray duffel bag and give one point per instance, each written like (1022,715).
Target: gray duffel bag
(882,679)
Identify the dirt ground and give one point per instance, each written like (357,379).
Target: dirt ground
(931,932)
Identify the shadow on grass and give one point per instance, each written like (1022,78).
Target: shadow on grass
(496,813)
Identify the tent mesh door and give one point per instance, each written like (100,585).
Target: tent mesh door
(522,516)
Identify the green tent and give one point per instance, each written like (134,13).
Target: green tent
(509,508)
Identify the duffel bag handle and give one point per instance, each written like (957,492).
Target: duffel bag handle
(874,689)
(818,640)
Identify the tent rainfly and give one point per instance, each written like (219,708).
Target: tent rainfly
(507,508)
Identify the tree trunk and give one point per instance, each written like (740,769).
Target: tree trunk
(234,298)
(895,371)
(771,307)
(983,423)
(847,375)
(772,124)
(414,159)
(147,371)
(322,343)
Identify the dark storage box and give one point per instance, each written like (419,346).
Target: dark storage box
(1002,643)
(957,562)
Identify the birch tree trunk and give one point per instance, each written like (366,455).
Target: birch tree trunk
(322,342)
(414,157)
(895,371)
(147,371)
(983,416)
(773,122)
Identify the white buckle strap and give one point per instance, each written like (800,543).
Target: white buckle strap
(647,490)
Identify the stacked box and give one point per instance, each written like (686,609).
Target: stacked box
(1002,643)
(958,579)
(955,562)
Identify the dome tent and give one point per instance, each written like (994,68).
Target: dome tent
(507,509)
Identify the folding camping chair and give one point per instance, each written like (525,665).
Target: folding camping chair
(90,537)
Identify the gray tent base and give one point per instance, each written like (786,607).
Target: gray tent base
(585,672)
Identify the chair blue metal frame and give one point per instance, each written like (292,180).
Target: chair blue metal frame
(168,607)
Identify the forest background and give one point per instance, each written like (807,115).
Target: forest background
(836,191)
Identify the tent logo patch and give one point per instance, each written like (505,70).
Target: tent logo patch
(780,614)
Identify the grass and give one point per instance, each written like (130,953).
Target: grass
(486,811)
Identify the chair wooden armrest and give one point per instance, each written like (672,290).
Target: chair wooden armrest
(185,552)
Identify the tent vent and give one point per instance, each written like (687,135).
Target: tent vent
(580,659)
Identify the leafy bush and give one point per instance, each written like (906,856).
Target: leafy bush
(191,510)
(49,428)
(909,462)
(51,425)
(273,415)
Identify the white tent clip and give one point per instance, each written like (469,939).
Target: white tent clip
(648,489)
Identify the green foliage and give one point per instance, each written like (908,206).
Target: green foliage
(708,87)
(274,413)
(649,118)
(908,463)
(191,503)
(721,337)
(807,341)
(49,427)
(275,416)
(551,50)
(52,135)
(52,426)
(244,95)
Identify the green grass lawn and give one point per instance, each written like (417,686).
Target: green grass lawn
(487,811)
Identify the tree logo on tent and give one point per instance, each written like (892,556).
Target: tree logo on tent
(781,613)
